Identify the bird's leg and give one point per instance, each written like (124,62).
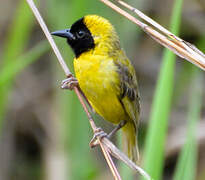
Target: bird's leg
(119,126)
(69,83)
(101,134)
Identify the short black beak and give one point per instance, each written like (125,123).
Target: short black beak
(64,33)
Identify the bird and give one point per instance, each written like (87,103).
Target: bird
(106,76)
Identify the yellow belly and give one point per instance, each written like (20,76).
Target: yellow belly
(99,80)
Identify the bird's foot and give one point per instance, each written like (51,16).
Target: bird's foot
(99,133)
(69,83)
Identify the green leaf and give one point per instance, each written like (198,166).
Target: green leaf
(157,130)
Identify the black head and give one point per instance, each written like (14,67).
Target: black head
(78,37)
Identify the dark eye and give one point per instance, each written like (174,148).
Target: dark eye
(80,34)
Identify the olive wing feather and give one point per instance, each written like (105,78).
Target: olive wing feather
(129,95)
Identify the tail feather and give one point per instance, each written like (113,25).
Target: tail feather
(130,141)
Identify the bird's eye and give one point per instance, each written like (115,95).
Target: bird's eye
(80,34)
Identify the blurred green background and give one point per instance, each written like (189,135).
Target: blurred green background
(44,133)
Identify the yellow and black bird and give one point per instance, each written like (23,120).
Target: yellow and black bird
(105,75)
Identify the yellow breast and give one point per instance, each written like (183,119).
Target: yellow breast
(98,78)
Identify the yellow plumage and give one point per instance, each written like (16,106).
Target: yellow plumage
(106,76)
(98,78)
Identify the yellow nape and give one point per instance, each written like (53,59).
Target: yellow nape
(98,25)
(103,33)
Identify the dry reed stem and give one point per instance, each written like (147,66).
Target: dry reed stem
(180,47)
(68,73)
(106,145)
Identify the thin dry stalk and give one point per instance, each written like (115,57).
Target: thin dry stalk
(106,145)
(68,74)
(180,47)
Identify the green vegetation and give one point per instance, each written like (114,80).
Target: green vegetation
(17,39)
(161,106)
(187,161)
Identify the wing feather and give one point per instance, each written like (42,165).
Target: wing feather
(129,94)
